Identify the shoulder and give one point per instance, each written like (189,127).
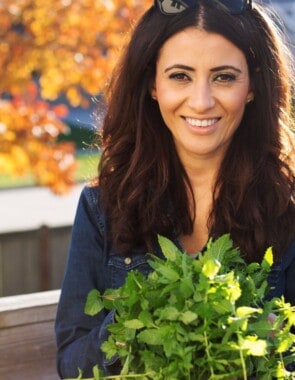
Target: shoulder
(91,195)
(91,205)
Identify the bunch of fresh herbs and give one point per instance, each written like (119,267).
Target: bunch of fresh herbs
(198,319)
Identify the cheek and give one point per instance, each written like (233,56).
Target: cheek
(235,105)
(168,99)
(167,95)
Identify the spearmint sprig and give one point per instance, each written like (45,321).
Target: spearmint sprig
(198,319)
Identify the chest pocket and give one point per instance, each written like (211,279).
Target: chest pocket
(119,266)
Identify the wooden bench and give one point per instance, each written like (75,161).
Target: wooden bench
(27,341)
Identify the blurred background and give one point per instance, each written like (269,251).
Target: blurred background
(55,62)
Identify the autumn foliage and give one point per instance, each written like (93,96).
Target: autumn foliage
(50,49)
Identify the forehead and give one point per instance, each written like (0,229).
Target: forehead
(199,47)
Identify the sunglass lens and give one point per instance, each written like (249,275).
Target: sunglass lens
(175,6)
(170,7)
(232,6)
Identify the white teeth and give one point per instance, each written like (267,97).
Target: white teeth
(200,123)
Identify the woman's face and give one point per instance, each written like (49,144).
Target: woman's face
(202,86)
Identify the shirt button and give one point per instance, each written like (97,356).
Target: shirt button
(127,261)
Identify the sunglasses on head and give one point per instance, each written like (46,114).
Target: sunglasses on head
(171,7)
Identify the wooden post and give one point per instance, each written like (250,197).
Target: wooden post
(45,269)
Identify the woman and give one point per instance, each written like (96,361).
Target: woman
(196,143)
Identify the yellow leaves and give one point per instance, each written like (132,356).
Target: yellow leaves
(74,96)
(50,36)
(28,133)
(72,47)
(52,84)
(54,166)
(14,162)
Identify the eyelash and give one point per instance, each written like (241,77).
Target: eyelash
(225,78)
(179,76)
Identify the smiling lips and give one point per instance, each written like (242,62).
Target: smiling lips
(201,123)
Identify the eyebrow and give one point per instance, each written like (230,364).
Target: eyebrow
(179,66)
(225,67)
(213,70)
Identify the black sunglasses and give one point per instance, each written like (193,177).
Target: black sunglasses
(170,7)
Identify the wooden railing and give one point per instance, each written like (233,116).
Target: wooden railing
(33,260)
(27,341)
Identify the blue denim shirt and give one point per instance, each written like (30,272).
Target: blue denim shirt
(93,263)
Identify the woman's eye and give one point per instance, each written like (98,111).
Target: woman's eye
(179,76)
(225,78)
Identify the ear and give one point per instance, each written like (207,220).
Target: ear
(153,91)
(250,97)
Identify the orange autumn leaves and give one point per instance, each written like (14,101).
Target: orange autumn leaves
(28,132)
(68,48)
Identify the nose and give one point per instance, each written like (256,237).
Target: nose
(200,97)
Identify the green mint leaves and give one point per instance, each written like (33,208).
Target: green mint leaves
(198,319)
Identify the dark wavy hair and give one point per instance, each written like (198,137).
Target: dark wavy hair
(144,186)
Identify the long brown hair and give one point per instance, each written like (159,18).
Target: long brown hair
(143,183)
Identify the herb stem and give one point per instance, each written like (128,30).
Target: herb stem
(118,377)
(132,376)
(207,349)
(208,353)
(242,361)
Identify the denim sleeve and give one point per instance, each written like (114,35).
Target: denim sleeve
(290,284)
(289,268)
(78,335)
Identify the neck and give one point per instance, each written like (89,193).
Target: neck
(202,175)
(202,170)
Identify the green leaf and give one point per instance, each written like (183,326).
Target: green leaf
(211,268)
(254,346)
(156,336)
(285,341)
(109,348)
(94,303)
(223,305)
(196,337)
(110,297)
(134,324)
(146,318)
(97,373)
(188,317)
(282,373)
(169,313)
(152,361)
(187,287)
(245,311)
(267,259)
(168,273)
(168,248)
(150,336)
(217,249)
